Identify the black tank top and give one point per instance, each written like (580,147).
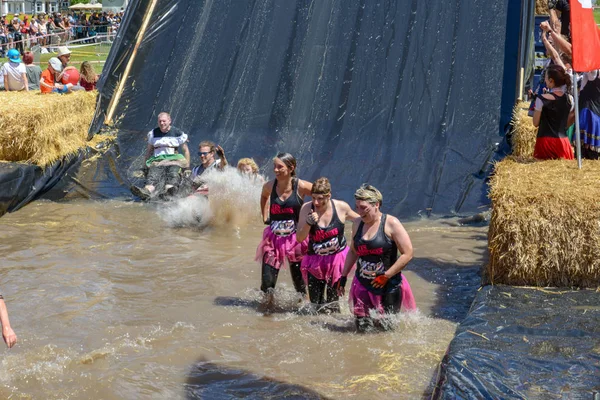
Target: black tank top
(328,240)
(376,255)
(555,113)
(284,214)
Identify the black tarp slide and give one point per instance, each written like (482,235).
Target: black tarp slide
(405,95)
(525,343)
(410,96)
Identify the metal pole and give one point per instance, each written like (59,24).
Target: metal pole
(114,101)
(577,134)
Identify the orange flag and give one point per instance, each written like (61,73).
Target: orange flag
(585,36)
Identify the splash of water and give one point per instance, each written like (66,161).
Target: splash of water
(233,200)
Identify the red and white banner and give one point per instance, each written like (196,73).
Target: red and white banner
(585,36)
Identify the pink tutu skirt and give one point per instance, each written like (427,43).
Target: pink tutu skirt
(362,301)
(326,268)
(274,249)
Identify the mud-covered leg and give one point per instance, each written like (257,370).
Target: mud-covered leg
(297,278)
(316,290)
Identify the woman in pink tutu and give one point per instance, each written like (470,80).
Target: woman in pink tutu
(280,203)
(322,221)
(378,285)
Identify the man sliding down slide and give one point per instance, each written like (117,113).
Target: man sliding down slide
(166,155)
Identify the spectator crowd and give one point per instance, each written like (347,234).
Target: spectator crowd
(553,104)
(54,29)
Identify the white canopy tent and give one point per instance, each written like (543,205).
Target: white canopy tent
(81,6)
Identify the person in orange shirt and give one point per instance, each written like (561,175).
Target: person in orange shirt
(48,82)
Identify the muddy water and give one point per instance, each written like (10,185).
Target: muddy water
(118,300)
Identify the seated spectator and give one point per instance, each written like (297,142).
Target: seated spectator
(48,82)
(248,167)
(14,72)
(69,73)
(162,159)
(34,72)
(88,77)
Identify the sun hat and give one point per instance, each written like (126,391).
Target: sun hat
(55,64)
(14,55)
(63,51)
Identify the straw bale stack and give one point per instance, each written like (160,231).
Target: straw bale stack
(545,225)
(541,7)
(524,133)
(41,129)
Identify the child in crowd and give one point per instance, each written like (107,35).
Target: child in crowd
(48,82)
(248,168)
(34,72)
(14,72)
(88,77)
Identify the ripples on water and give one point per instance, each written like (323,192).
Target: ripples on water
(111,301)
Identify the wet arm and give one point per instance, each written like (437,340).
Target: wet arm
(149,151)
(304,188)
(350,213)
(402,240)
(186,153)
(264,201)
(303,228)
(352,256)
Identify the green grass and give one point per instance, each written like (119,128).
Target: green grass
(97,54)
(597,15)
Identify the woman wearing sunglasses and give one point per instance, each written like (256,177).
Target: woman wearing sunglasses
(322,221)
(378,286)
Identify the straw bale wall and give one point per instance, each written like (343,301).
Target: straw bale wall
(41,129)
(545,224)
(523,131)
(541,7)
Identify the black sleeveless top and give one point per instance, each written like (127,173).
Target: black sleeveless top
(376,255)
(328,240)
(284,214)
(555,113)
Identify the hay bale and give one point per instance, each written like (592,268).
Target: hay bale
(523,131)
(41,129)
(541,7)
(545,225)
